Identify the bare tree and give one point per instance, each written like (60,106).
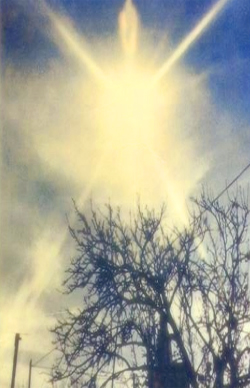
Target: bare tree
(162,310)
(129,275)
(216,302)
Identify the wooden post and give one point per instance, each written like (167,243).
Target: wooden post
(30,370)
(17,339)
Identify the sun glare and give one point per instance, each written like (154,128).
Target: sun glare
(128,108)
(127,112)
(135,113)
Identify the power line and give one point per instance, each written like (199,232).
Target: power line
(42,358)
(224,190)
(232,182)
(31,365)
(42,367)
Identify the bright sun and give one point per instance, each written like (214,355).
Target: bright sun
(129,108)
(131,104)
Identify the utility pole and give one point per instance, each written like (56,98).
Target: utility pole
(17,339)
(30,369)
(133,380)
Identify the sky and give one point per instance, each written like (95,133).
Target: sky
(106,102)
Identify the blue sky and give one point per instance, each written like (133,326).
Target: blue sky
(49,147)
(224,49)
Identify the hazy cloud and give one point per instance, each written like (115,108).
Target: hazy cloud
(56,147)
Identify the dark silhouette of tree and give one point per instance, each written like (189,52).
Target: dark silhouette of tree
(129,275)
(159,309)
(220,327)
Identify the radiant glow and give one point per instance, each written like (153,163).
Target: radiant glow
(140,157)
(189,40)
(128,110)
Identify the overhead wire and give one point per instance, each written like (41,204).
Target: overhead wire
(43,357)
(232,182)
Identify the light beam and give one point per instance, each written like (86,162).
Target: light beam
(189,40)
(129,116)
(68,35)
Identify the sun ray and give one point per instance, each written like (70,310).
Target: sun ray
(70,39)
(189,40)
(127,110)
